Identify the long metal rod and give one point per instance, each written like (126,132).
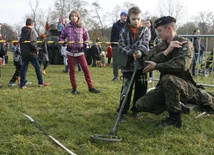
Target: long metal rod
(52,138)
(114,129)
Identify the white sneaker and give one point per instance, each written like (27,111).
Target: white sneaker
(12,84)
(28,83)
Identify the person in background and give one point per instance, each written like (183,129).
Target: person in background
(133,43)
(173,58)
(43,54)
(115,32)
(78,65)
(0,67)
(196,44)
(151,45)
(3,50)
(47,26)
(60,26)
(201,53)
(109,54)
(29,54)
(65,22)
(102,59)
(65,59)
(17,60)
(74,31)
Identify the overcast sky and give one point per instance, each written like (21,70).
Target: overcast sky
(14,11)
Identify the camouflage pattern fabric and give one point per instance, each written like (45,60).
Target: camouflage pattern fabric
(176,82)
(167,95)
(205,99)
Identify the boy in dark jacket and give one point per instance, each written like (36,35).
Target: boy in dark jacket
(29,54)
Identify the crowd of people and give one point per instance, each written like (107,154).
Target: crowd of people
(131,48)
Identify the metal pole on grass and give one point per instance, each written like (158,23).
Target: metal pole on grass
(52,138)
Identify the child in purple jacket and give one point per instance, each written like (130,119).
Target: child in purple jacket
(77,38)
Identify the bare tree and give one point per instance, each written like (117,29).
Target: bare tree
(8,32)
(63,8)
(97,8)
(48,16)
(205,21)
(114,15)
(37,16)
(80,6)
(170,8)
(127,5)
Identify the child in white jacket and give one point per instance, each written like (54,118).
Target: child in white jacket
(65,59)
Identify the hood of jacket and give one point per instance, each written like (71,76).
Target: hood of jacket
(26,34)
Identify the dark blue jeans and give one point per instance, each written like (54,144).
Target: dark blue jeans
(24,69)
(194,64)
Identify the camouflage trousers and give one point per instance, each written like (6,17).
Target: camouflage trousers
(167,95)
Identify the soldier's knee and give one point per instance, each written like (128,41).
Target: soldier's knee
(165,77)
(167,80)
(139,105)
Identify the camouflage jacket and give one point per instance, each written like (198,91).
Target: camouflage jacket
(177,63)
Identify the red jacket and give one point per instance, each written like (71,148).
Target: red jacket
(109,52)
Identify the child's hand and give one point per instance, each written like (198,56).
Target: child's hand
(137,55)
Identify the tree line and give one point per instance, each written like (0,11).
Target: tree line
(99,25)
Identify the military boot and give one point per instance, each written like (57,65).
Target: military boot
(174,119)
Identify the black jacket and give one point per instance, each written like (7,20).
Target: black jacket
(2,50)
(196,44)
(115,31)
(28,50)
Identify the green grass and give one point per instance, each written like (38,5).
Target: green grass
(72,119)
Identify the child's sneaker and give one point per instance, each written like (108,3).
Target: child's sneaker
(28,83)
(122,118)
(74,91)
(44,72)
(12,84)
(23,87)
(44,84)
(93,90)
(115,79)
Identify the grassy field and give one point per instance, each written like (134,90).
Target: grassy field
(72,119)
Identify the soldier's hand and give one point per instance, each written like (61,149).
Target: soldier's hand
(149,67)
(172,45)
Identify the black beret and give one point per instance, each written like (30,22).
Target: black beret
(164,20)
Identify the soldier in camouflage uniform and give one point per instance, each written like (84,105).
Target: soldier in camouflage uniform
(173,58)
